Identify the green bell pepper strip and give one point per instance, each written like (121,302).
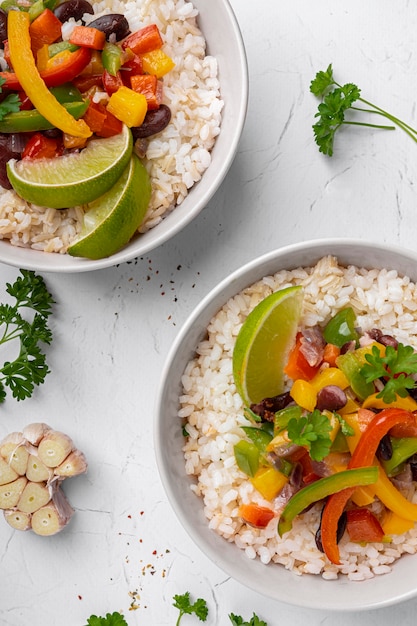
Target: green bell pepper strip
(247,457)
(322,488)
(60,46)
(111,57)
(341,328)
(402,449)
(258,436)
(283,416)
(31,121)
(67,93)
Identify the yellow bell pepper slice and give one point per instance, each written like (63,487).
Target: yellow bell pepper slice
(128,106)
(329,376)
(157,63)
(24,66)
(392,498)
(393,524)
(304,394)
(269,482)
(407,403)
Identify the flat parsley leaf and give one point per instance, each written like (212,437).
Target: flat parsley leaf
(185,607)
(111,619)
(312,431)
(10,104)
(395,368)
(254,621)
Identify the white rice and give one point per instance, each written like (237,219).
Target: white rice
(175,159)
(213,412)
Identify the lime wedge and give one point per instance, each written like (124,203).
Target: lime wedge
(75,178)
(111,220)
(263,344)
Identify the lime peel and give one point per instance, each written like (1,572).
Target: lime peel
(263,345)
(72,179)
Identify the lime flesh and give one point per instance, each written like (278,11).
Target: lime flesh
(263,345)
(72,179)
(111,220)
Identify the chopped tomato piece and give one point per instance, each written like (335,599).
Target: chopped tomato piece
(144,40)
(255,515)
(88,37)
(362,525)
(40,147)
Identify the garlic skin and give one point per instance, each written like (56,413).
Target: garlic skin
(33,465)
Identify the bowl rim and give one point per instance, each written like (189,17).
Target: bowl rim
(36,260)
(343,602)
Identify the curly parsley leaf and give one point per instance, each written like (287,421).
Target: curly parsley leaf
(29,368)
(395,368)
(254,621)
(10,104)
(336,101)
(111,619)
(311,431)
(185,607)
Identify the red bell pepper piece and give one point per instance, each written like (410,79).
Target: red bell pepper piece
(362,456)
(297,366)
(331,352)
(112,83)
(39,147)
(144,40)
(131,67)
(88,37)
(87,81)
(362,525)
(102,122)
(150,87)
(57,75)
(255,515)
(45,29)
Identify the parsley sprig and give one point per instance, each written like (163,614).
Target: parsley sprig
(111,619)
(29,368)
(336,101)
(254,621)
(311,431)
(395,368)
(186,607)
(9,104)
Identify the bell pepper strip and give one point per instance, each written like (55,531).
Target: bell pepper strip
(67,93)
(393,524)
(42,58)
(373,402)
(402,449)
(363,455)
(61,46)
(128,106)
(88,37)
(32,83)
(258,436)
(341,328)
(57,75)
(256,515)
(27,121)
(41,147)
(44,30)
(363,526)
(112,57)
(393,499)
(269,482)
(144,40)
(320,489)
(408,429)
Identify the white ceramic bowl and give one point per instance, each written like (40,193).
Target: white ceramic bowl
(224,41)
(271,580)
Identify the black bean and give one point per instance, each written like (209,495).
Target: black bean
(6,152)
(388,340)
(267,408)
(3,27)
(331,398)
(384,450)
(73,8)
(154,122)
(112,24)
